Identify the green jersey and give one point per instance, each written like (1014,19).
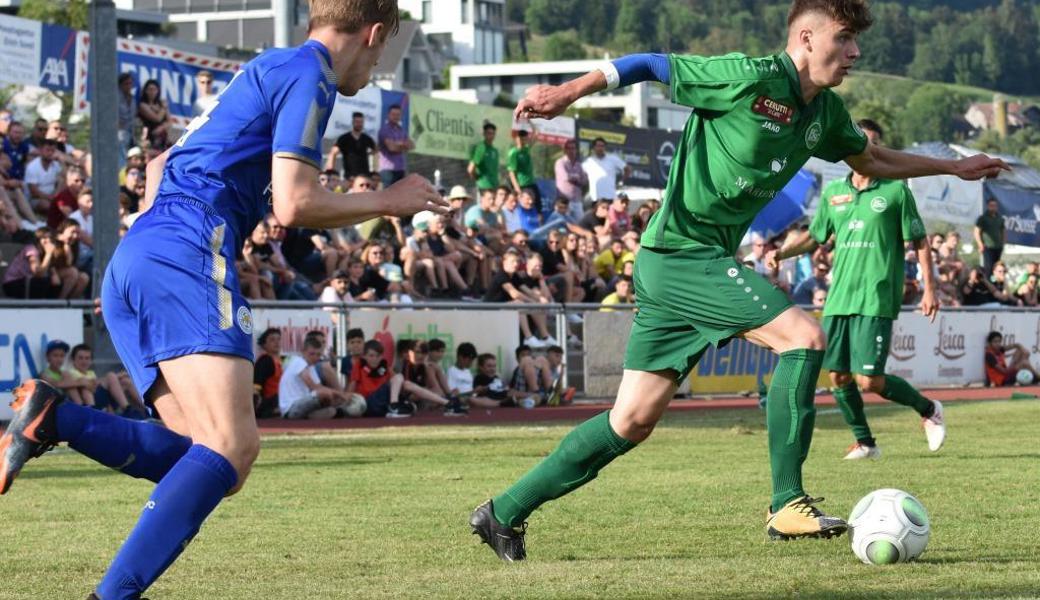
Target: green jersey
(870,227)
(749,133)
(485,157)
(519,162)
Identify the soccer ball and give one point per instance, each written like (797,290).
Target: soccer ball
(356,406)
(1024,377)
(888,526)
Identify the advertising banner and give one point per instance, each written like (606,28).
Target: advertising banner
(649,152)
(294,325)
(947,199)
(492,331)
(22,344)
(556,132)
(1021,210)
(373,102)
(449,129)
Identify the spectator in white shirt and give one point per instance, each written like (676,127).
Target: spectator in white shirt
(84,215)
(460,378)
(206,98)
(604,170)
(300,393)
(336,292)
(41,176)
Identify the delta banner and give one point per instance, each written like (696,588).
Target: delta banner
(23,337)
(1021,211)
(649,152)
(947,199)
(294,325)
(373,102)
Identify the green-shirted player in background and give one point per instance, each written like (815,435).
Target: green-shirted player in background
(870,219)
(755,122)
(484,161)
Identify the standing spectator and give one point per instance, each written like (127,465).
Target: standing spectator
(267,374)
(155,116)
(356,149)
(205,98)
(300,392)
(1027,292)
(16,147)
(603,171)
(66,201)
(595,220)
(989,235)
(530,213)
(125,114)
(617,215)
(571,179)
(803,293)
(521,168)
(42,175)
(484,161)
(31,273)
(394,143)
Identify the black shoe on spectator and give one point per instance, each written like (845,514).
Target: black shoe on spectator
(401,410)
(455,408)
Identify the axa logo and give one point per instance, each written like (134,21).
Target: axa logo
(904,345)
(950,344)
(55,73)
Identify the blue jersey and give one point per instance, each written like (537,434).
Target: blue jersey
(277,104)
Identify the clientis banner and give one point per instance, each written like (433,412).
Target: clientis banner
(449,129)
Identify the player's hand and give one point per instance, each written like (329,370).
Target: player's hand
(414,194)
(978,167)
(542,102)
(929,305)
(771,261)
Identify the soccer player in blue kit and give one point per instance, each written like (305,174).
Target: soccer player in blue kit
(171,296)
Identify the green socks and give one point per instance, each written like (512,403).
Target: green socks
(790,416)
(851,404)
(576,461)
(900,391)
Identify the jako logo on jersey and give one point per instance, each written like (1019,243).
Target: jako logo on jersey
(245,320)
(878,204)
(813,135)
(771,126)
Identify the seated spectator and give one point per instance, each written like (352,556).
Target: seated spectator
(624,293)
(81,379)
(506,287)
(947,290)
(949,253)
(375,286)
(355,348)
(819,297)
(1027,292)
(532,377)
(530,218)
(134,179)
(533,281)
(337,291)
(373,379)
(460,378)
(435,375)
(65,201)
(42,175)
(66,152)
(417,258)
(31,272)
(66,255)
(11,188)
(487,384)
(84,215)
(1032,268)
(803,293)
(271,264)
(518,242)
(311,252)
(483,217)
(54,373)
(595,220)
(267,374)
(559,275)
(253,283)
(447,258)
(1004,293)
(411,366)
(326,364)
(16,148)
(511,212)
(977,290)
(610,262)
(1001,369)
(557,395)
(10,223)
(300,392)
(592,285)
(617,215)
(134,160)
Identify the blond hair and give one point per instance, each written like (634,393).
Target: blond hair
(349,16)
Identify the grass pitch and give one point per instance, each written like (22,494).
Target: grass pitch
(382,514)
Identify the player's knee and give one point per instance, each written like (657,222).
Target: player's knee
(633,427)
(840,379)
(867,383)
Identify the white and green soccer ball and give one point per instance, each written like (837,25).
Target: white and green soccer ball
(889,526)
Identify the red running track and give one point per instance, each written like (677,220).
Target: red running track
(579,412)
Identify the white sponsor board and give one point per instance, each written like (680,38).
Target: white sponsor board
(556,131)
(24,333)
(294,325)
(492,331)
(20,47)
(368,101)
(948,199)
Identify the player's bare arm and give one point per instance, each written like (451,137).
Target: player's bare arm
(885,163)
(929,302)
(153,176)
(300,201)
(798,246)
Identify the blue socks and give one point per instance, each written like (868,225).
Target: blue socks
(171,518)
(137,448)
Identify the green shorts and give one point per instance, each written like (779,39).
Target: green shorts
(688,299)
(857,344)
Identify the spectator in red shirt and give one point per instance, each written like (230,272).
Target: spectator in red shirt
(617,216)
(372,378)
(64,203)
(267,373)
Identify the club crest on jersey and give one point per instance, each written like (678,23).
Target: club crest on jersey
(777,111)
(813,135)
(878,204)
(245,320)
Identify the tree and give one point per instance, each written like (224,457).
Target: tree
(635,28)
(563,45)
(73,13)
(930,114)
(550,16)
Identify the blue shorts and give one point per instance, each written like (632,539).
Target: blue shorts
(171,290)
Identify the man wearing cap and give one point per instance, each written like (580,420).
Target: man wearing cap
(521,167)
(484,161)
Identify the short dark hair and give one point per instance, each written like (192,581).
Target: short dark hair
(854,14)
(598,140)
(993,335)
(393,106)
(871,125)
(79,348)
(405,345)
(330,172)
(483,358)
(466,350)
(521,349)
(554,350)
(436,345)
(312,342)
(268,333)
(357,114)
(355,333)
(313,335)
(124,76)
(374,346)
(490,125)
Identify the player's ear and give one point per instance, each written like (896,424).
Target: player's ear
(376,35)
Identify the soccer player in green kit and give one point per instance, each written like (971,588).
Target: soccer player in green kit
(755,122)
(870,220)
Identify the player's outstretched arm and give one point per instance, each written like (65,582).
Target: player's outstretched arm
(300,201)
(885,163)
(801,244)
(548,101)
(929,301)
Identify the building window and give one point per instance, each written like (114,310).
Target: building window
(427,11)
(465,11)
(651,118)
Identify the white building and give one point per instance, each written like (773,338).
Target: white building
(408,62)
(245,24)
(647,104)
(472,30)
